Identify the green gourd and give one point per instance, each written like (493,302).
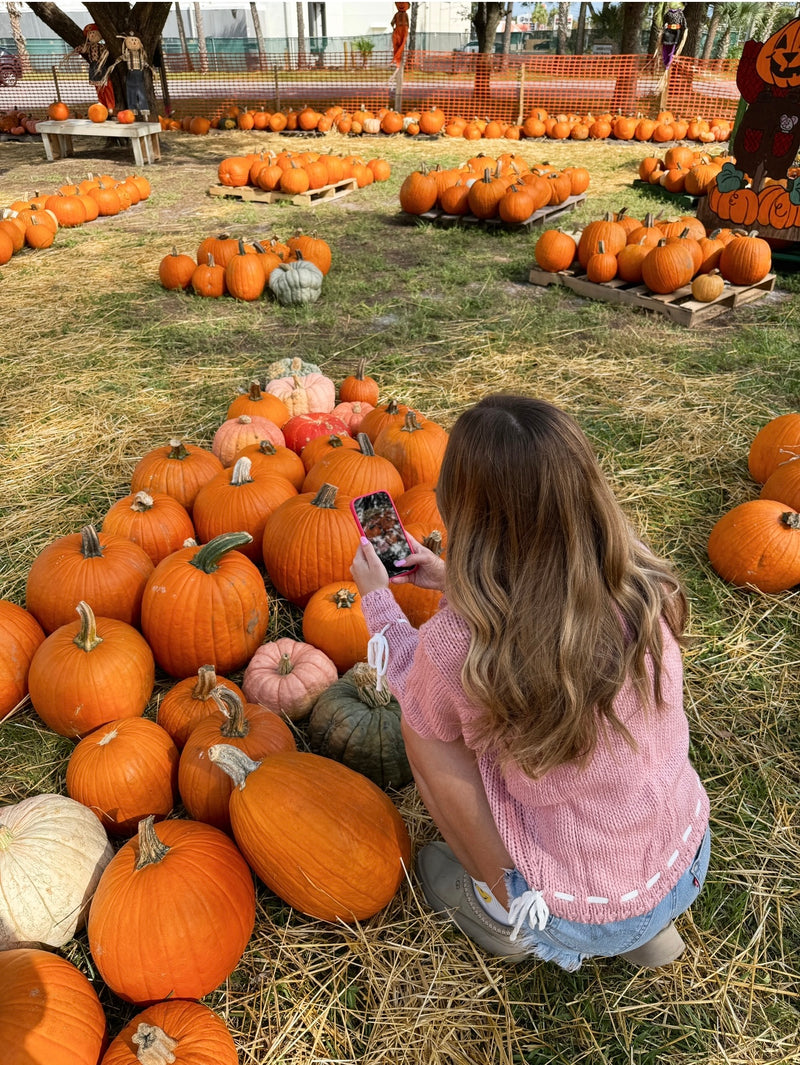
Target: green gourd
(296,283)
(354,723)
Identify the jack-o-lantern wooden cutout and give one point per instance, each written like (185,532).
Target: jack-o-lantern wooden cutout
(762,189)
(778,61)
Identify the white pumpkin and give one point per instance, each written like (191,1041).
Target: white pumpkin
(52,852)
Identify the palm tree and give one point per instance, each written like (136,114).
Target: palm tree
(713,27)
(563,19)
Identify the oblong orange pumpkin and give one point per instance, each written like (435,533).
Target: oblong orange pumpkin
(757,543)
(324,838)
(172,914)
(20,635)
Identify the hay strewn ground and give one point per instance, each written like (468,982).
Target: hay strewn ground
(99,364)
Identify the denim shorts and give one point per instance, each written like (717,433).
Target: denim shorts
(568,943)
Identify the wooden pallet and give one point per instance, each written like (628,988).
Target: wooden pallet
(680,199)
(438,217)
(678,306)
(299,199)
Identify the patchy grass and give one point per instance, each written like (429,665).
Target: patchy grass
(101,364)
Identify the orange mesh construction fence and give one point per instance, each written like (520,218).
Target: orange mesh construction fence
(501,87)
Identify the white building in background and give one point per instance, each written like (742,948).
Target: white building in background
(332,19)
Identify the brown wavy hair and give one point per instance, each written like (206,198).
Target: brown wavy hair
(562,600)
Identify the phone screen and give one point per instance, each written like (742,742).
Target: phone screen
(381,525)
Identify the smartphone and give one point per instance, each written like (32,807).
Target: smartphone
(379,522)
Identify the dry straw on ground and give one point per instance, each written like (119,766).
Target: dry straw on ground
(102,364)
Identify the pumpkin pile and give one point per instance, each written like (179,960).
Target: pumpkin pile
(682,170)
(269,500)
(206,532)
(664,254)
(757,543)
(570,126)
(484,187)
(17,123)
(297,172)
(225,265)
(33,222)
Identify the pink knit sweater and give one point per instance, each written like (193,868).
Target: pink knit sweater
(603,843)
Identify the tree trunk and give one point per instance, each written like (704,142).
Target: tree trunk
(301,36)
(580,38)
(202,49)
(507,15)
(19,38)
(655,28)
(630,43)
(412,29)
(485,19)
(145,21)
(713,26)
(725,40)
(182,37)
(263,62)
(563,16)
(696,15)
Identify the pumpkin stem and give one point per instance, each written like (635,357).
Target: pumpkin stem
(151,849)
(343,599)
(325,497)
(285,665)
(178,451)
(142,502)
(207,558)
(206,682)
(241,472)
(254,391)
(174,251)
(90,542)
(155,1046)
(235,762)
(365,444)
(87,638)
(433,541)
(791,519)
(236,725)
(266,447)
(365,679)
(361,369)
(411,425)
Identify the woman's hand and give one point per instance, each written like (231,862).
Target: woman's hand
(429,572)
(367,569)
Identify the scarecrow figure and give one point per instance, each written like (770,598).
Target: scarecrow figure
(673,31)
(95,53)
(768,77)
(399,33)
(135,58)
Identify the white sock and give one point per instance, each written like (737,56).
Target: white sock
(489,903)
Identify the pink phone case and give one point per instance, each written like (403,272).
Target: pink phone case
(377,519)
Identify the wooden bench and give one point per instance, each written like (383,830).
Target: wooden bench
(143,137)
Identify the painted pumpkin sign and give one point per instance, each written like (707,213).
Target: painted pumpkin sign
(778,61)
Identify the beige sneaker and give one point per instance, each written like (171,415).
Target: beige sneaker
(448,888)
(662,949)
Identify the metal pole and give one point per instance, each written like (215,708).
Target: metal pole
(55,79)
(277,91)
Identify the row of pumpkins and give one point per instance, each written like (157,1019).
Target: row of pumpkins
(298,172)
(291,270)
(663,254)
(507,187)
(34,221)
(681,169)
(432,121)
(316,828)
(757,543)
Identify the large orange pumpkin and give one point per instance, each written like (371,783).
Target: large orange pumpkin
(757,543)
(415,448)
(172,914)
(158,523)
(178,469)
(106,570)
(188,594)
(89,672)
(309,541)
(20,635)
(334,622)
(324,838)
(49,1012)
(179,1032)
(774,443)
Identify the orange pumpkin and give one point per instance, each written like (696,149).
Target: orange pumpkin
(178,469)
(20,635)
(757,543)
(157,523)
(186,1033)
(189,910)
(189,701)
(334,623)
